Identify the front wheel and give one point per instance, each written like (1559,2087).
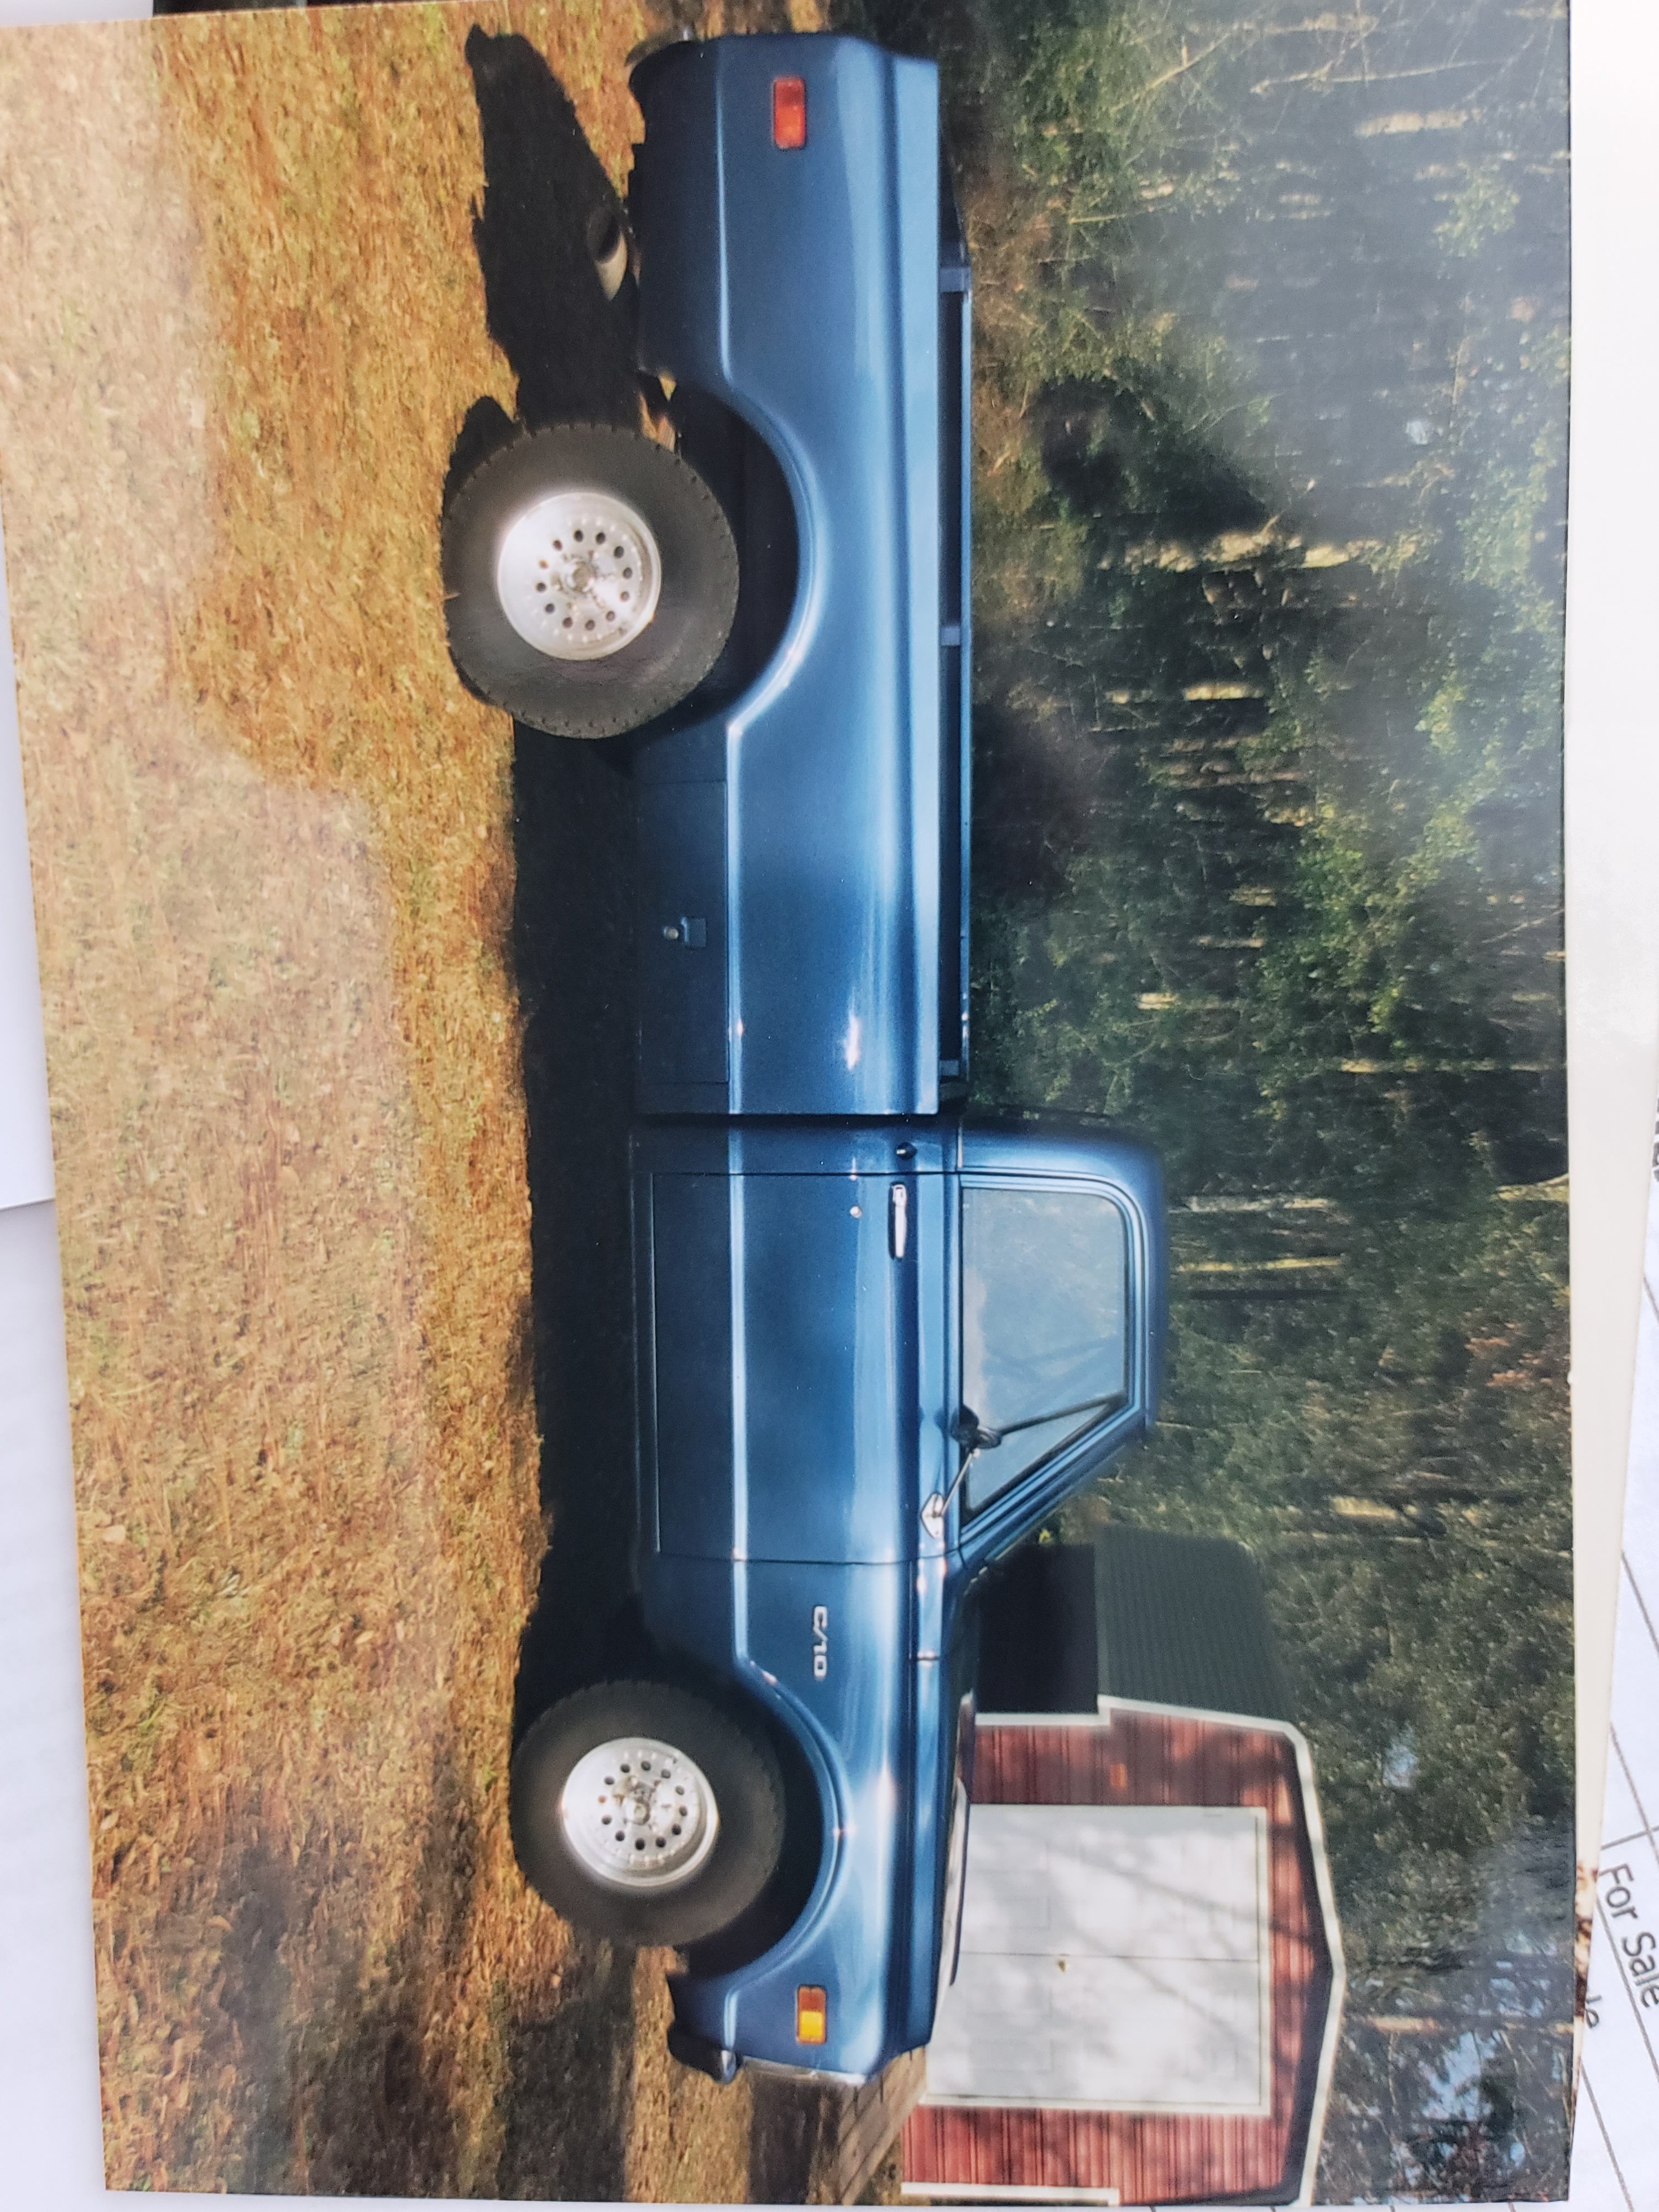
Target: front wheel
(590,580)
(643,1813)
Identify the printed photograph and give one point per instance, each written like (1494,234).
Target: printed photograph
(794,790)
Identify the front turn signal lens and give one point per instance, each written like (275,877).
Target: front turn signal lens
(811,2015)
(789,112)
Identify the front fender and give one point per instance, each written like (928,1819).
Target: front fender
(825,1650)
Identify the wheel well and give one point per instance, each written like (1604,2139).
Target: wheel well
(623,1648)
(744,475)
(781,1903)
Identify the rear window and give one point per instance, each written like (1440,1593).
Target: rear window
(1044,1300)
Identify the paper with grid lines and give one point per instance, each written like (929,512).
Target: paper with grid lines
(1616,2139)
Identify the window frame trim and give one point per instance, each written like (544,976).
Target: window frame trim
(983,1535)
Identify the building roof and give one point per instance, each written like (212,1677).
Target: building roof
(1183,1620)
(1165,1619)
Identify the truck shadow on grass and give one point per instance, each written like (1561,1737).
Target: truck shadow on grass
(570,351)
(571,2073)
(565,2124)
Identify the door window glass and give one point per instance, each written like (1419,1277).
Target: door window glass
(1044,1299)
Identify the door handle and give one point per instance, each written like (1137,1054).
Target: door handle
(898,1220)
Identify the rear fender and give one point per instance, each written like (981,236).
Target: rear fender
(799,289)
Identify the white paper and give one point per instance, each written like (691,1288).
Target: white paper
(1616,2146)
(49,2149)
(25,1136)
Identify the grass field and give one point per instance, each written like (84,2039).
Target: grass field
(242,321)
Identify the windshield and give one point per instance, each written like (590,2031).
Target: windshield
(1045,1296)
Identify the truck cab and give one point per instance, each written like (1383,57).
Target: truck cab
(877,1343)
(873,1357)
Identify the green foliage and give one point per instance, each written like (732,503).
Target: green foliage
(1482,211)
(1395,1470)
(1268,761)
(1085,131)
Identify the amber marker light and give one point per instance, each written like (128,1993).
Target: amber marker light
(811,2015)
(789,123)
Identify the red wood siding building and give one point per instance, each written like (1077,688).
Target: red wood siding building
(1144,1755)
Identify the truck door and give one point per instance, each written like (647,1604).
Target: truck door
(786,1378)
(829,1383)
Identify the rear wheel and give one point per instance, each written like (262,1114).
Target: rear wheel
(590,578)
(642,1813)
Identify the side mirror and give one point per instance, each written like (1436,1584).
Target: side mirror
(966,1429)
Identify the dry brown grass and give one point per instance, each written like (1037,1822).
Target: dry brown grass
(241,321)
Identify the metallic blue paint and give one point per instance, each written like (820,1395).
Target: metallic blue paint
(798,1382)
(802,290)
(803,855)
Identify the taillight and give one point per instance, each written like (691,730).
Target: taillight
(789,112)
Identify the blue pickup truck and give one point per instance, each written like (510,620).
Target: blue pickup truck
(875,1344)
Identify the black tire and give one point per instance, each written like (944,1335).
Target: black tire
(669,657)
(742,1773)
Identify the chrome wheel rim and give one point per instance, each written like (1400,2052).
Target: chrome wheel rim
(638,1814)
(579,574)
